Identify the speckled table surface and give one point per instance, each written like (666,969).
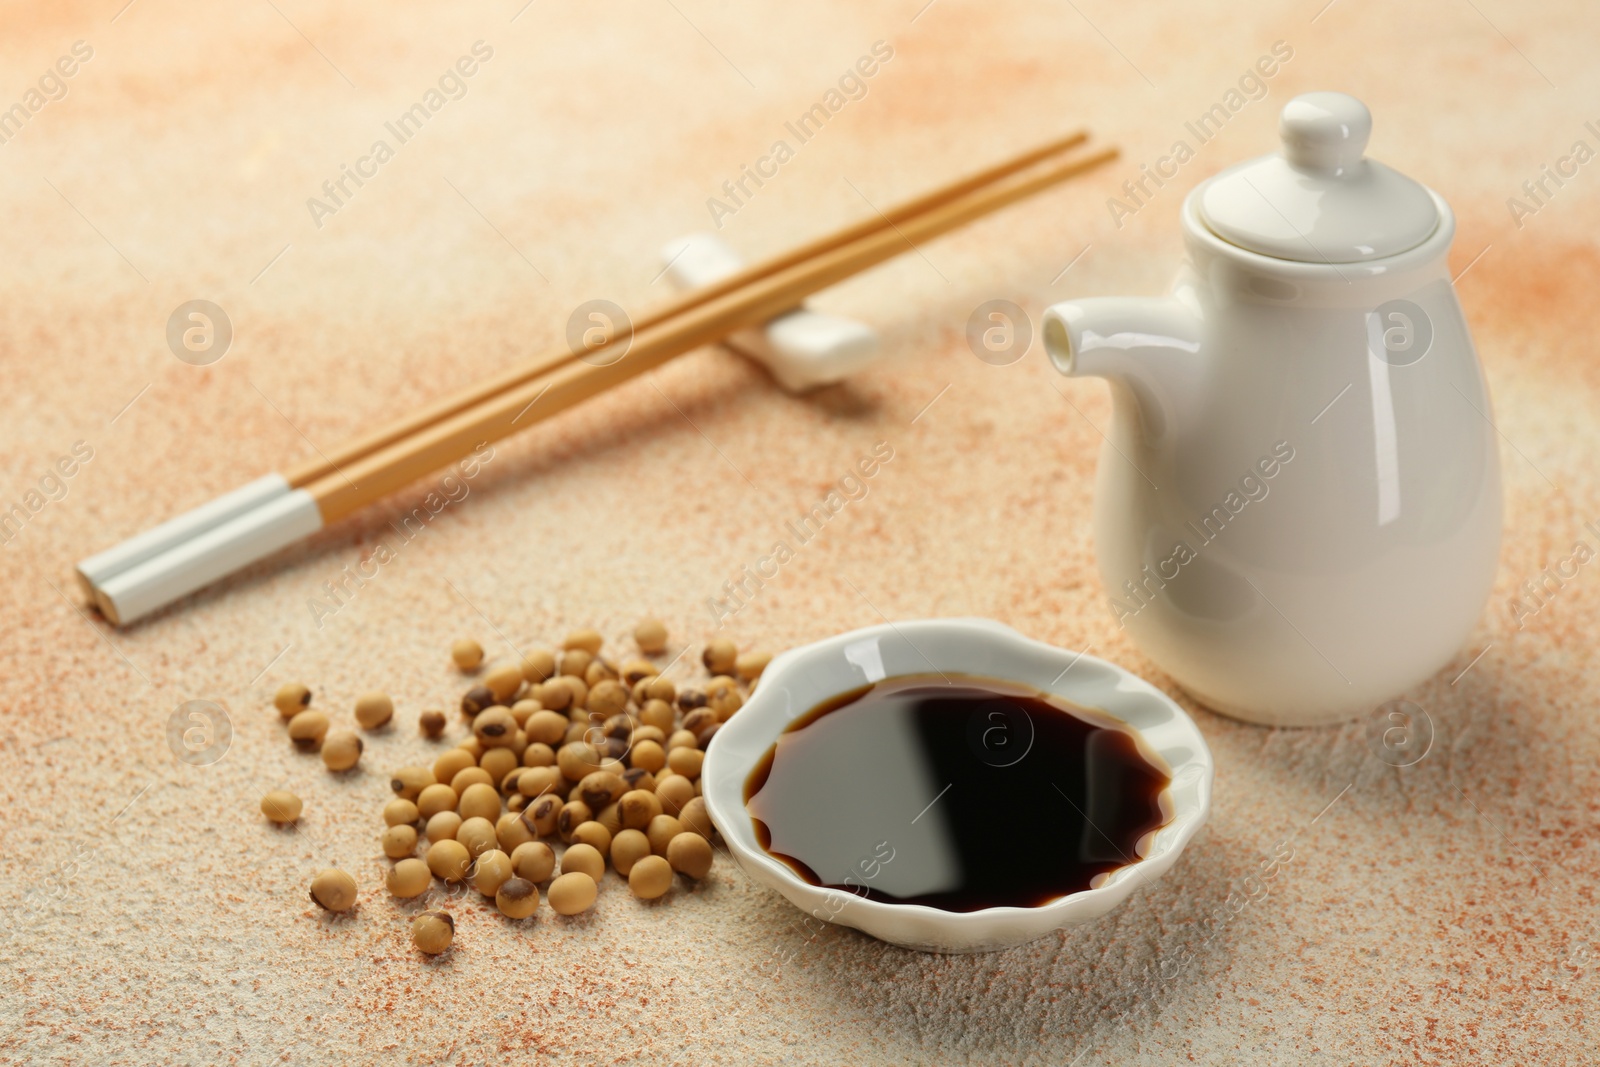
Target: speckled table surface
(1438,913)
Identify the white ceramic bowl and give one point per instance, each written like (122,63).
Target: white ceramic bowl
(800,679)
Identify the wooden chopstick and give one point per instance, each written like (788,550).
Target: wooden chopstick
(568,381)
(347,455)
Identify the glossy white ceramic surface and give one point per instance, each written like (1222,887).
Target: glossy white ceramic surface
(1319,201)
(1359,565)
(799,680)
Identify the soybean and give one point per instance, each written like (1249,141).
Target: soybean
(648,755)
(538,666)
(607,698)
(492,871)
(432,931)
(494,727)
(651,635)
(535,861)
(341,750)
(655,737)
(479,801)
(291,699)
(750,665)
(539,781)
(661,831)
(409,878)
(698,721)
(448,860)
(546,727)
(555,694)
(545,814)
(478,836)
(720,655)
(577,760)
(628,848)
(573,815)
(573,893)
(434,799)
(407,782)
(674,791)
(334,890)
(400,812)
(513,831)
(467,653)
(635,671)
(725,702)
(599,670)
(595,835)
(497,763)
(504,682)
(451,763)
(538,754)
(517,898)
(686,761)
(638,808)
(373,710)
(639,778)
(473,775)
(444,826)
(587,640)
(575,662)
(477,698)
(659,714)
(307,729)
(585,859)
(281,806)
(431,722)
(601,788)
(399,841)
(690,854)
(650,878)
(695,818)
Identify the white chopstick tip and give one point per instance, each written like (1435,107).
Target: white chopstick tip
(100,568)
(190,565)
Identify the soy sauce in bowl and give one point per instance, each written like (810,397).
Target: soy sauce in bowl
(956,792)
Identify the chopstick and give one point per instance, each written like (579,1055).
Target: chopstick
(163,564)
(380,472)
(321,466)
(100,568)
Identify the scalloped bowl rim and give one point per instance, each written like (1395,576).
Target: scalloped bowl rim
(969,646)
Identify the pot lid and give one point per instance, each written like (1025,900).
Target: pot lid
(1320,201)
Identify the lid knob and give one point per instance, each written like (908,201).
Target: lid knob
(1325,133)
(1319,200)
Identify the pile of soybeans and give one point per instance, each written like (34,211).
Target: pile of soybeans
(569,750)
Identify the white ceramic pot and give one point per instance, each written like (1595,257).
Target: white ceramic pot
(1298,508)
(799,680)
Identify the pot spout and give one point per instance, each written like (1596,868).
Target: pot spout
(1150,345)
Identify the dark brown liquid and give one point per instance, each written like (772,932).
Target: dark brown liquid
(959,793)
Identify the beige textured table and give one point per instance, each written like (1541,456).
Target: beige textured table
(1441,913)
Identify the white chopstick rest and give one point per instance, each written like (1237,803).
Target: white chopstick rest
(803,349)
(99,568)
(185,567)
